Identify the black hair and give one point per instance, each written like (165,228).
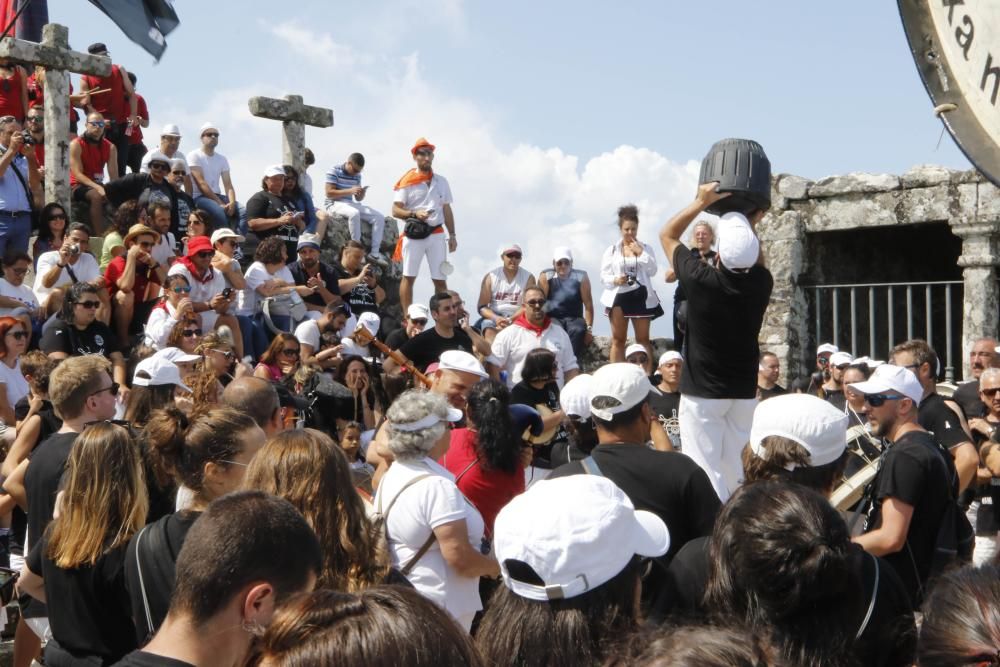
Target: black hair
(628,212)
(79,227)
(45,217)
(962,619)
(623,418)
(436,300)
(539,364)
(14,255)
(498,446)
(357,159)
(74,295)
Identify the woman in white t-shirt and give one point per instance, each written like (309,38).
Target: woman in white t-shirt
(435,535)
(267,276)
(14,336)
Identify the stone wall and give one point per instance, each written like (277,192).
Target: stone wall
(964,200)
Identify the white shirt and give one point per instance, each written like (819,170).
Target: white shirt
(513,344)
(432,196)
(163,251)
(14,383)
(202,292)
(86,270)
(212,167)
(256,276)
(21,293)
(425,505)
(307,333)
(614,264)
(161,322)
(144,165)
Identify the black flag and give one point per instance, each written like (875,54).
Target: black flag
(145,22)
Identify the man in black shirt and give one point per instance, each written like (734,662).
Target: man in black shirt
(270,214)
(914,483)
(311,272)
(726,304)
(768,372)
(413,323)
(148,189)
(425,348)
(983,355)
(943,418)
(666,404)
(358,281)
(833,388)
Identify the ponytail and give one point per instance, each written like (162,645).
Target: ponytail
(497,444)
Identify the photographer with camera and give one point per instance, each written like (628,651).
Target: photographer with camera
(72,263)
(20,186)
(89,154)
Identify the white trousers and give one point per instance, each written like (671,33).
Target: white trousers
(714,432)
(434,247)
(357,213)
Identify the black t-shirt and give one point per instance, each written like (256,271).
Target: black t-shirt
(326,274)
(666,407)
(143,188)
(270,206)
(41,481)
(776,390)
(967,397)
(724,314)
(89,608)
(935,416)
(426,347)
(835,397)
(97,338)
(161,543)
(144,659)
(395,340)
(50,424)
(185,204)
(546,398)
(915,471)
(361,297)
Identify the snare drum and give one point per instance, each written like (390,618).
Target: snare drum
(863,453)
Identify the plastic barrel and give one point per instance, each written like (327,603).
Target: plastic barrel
(742,168)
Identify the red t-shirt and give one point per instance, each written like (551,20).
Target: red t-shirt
(143,276)
(11,103)
(488,490)
(140,109)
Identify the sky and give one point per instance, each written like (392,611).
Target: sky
(546,116)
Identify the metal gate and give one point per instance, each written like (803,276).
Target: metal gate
(870,319)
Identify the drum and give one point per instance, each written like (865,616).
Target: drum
(863,452)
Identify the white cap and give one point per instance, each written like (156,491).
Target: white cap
(625,382)
(463,362)
(841,358)
(157,156)
(827,347)
(668,356)
(274,170)
(308,240)
(160,371)
(512,247)
(562,252)
(867,361)
(803,418)
(575,396)
(170,130)
(739,247)
(176,355)
(177,162)
(588,533)
(634,348)
(206,127)
(427,421)
(370,321)
(226,233)
(418,311)
(891,378)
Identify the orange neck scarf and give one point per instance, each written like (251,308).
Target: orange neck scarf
(413,177)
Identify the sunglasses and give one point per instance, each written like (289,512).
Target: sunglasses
(989,392)
(290,352)
(113,390)
(228,354)
(159,166)
(190,333)
(88,304)
(182,290)
(214,135)
(34,119)
(96,123)
(877,400)
(235,463)
(205,254)
(419,323)
(514,255)
(842,367)
(536,303)
(424,152)
(57,216)
(18,335)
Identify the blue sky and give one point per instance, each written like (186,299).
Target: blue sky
(547,115)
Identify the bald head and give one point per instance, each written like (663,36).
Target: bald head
(983,355)
(255,397)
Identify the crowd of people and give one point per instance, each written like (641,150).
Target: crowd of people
(217,451)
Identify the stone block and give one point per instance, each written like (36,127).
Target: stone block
(857,182)
(926,204)
(849,212)
(793,187)
(784,225)
(926,175)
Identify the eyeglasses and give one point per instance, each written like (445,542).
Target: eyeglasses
(214,135)
(419,323)
(112,422)
(113,389)
(235,463)
(842,367)
(877,400)
(205,254)
(159,166)
(290,352)
(182,290)
(96,123)
(989,392)
(18,335)
(535,303)
(424,152)
(228,354)
(190,333)
(57,216)
(88,304)
(34,119)
(514,255)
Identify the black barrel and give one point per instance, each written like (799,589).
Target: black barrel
(742,168)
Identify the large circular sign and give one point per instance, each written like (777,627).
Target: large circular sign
(955,46)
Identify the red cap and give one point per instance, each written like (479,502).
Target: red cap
(421,143)
(199,244)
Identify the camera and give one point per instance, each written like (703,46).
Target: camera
(74,249)
(630,280)
(28,139)
(226,293)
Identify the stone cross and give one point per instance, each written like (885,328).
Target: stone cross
(294,116)
(54,54)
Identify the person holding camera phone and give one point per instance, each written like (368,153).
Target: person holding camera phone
(626,271)
(72,263)
(20,186)
(358,282)
(133,281)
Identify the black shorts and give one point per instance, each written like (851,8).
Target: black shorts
(80,192)
(633,305)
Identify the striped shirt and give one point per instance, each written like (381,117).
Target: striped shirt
(341,180)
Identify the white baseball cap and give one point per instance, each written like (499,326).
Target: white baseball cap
(418,311)
(170,130)
(635,348)
(841,358)
(176,355)
(308,240)
(370,321)
(274,170)
(427,421)
(739,247)
(226,233)
(588,533)
(463,362)
(627,383)
(157,156)
(562,252)
(891,378)
(177,162)
(575,396)
(160,371)
(208,126)
(803,418)
(827,347)
(513,247)
(668,356)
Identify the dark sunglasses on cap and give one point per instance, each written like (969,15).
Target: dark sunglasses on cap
(877,400)
(189,333)
(211,134)
(419,322)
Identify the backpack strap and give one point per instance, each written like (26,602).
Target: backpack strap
(590,467)
(871,604)
(425,547)
(155,545)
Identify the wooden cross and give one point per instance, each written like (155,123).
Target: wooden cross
(54,54)
(294,116)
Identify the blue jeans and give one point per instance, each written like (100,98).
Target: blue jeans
(255,338)
(219,217)
(14,233)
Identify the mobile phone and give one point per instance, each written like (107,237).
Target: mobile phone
(226,293)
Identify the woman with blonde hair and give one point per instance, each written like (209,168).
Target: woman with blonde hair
(79,562)
(305,468)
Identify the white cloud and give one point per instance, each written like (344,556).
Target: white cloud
(504,190)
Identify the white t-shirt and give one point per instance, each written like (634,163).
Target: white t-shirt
(144,165)
(161,322)
(426,196)
(308,334)
(21,293)
(256,276)
(202,291)
(425,505)
(163,252)
(211,166)
(14,383)
(86,270)
(513,344)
